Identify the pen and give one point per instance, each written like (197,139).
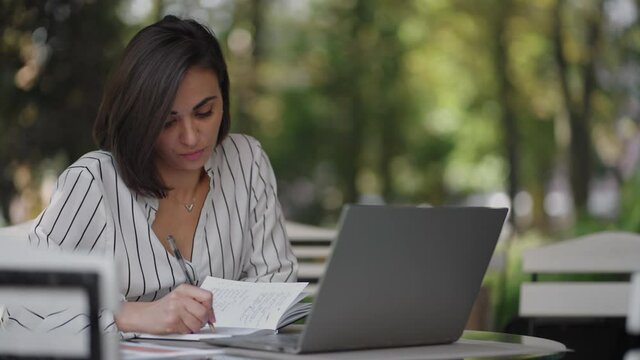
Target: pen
(178,255)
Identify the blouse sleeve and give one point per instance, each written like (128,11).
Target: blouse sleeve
(271,258)
(75,220)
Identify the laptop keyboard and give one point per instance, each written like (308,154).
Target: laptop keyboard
(281,340)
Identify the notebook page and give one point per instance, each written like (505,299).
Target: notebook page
(251,305)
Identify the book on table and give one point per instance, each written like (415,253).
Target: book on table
(244,308)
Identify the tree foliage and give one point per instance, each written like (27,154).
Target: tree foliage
(418,102)
(54,57)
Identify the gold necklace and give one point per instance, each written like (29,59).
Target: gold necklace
(187,206)
(190,205)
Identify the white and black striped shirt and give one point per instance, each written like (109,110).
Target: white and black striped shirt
(240,234)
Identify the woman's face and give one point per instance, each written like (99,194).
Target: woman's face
(191,130)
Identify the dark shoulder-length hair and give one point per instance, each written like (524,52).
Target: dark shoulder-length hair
(139,95)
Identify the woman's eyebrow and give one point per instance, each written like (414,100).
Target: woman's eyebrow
(202,102)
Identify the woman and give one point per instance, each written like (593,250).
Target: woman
(167,166)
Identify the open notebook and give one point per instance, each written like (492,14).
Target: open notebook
(248,308)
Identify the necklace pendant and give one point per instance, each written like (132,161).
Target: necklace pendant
(189,207)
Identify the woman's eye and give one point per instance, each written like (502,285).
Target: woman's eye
(205,113)
(169,123)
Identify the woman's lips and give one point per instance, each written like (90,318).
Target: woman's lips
(194,155)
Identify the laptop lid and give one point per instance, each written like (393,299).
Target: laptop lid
(401,276)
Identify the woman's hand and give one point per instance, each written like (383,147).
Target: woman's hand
(184,310)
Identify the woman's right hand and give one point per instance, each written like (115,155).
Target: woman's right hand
(184,310)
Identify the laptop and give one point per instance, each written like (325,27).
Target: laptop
(397,276)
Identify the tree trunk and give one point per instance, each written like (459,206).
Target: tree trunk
(247,87)
(505,88)
(353,142)
(578,107)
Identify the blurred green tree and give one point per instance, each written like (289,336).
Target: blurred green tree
(428,102)
(54,57)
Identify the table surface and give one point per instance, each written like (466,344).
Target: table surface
(472,345)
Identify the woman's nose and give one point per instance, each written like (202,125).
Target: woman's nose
(189,133)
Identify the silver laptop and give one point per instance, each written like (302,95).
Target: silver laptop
(397,276)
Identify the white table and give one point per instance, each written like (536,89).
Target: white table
(472,345)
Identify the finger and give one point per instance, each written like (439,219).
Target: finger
(211,315)
(197,309)
(196,314)
(182,328)
(205,297)
(191,322)
(208,303)
(178,318)
(199,294)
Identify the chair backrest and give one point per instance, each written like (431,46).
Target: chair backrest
(633,317)
(311,245)
(16,233)
(603,252)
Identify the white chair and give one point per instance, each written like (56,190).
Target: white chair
(16,232)
(633,318)
(312,246)
(603,253)
(594,309)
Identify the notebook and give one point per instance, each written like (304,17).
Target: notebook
(397,276)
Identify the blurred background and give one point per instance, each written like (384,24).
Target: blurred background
(534,105)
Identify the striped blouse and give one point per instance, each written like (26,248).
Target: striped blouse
(240,233)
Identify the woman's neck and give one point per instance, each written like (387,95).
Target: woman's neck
(183,185)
